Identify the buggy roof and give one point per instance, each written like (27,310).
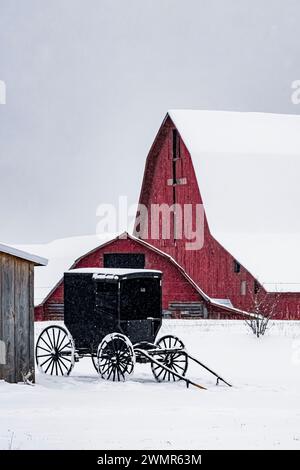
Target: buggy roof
(116,273)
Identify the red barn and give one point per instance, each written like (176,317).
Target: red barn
(241,170)
(181,296)
(242,167)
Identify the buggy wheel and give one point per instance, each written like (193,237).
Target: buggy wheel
(176,361)
(115,357)
(55,351)
(94,360)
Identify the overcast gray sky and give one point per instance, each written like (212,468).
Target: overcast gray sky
(89,82)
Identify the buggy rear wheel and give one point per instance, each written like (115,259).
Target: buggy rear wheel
(115,357)
(55,351)
(177,361)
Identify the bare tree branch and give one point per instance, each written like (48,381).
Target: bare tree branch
(264,309)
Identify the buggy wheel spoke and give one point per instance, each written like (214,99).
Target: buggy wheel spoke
(40,347)
(161,371)
(112,369)
(104,363)
(107,369)
(175,361)
(65,358)
(57,340)
(53,363)
(180,367)
(61,371)
(53,338)
(175,368)
(62,347)
(50,363)
(50,341)
(122,373)
(65,337)
(48,346)
(61,341)
(47,360)
(115,357)
(61,361)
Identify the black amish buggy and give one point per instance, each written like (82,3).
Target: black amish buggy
(113,316)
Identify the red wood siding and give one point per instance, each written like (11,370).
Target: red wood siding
(176,288)
(212,266)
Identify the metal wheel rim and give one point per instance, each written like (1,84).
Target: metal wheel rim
(115,357)
(55,351)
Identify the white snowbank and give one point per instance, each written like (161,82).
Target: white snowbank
(82,411)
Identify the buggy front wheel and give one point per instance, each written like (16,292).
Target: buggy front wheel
(115,357)
(55,351)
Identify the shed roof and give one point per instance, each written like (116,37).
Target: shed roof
(10,250)
(247,166)
(61,254)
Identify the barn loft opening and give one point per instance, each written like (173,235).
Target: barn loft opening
(124,260)
(236,266)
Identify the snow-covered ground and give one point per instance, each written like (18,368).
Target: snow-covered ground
(261,410)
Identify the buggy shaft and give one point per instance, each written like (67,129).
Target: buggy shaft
(181,377)
(208,369)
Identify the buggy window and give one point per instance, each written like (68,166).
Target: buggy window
(140,298)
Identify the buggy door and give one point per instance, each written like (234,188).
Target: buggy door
(140,308)
(107,306)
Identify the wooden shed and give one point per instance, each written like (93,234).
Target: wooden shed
(17,313)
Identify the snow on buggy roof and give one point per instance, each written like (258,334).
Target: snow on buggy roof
(102,273)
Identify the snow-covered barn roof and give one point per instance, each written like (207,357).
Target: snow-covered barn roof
(61,254)
(10,250)
(248,166)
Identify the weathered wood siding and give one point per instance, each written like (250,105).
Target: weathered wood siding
(16,317)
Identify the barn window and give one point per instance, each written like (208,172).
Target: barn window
(256,287)
(236,266)
(175,145)
(243,287)
(124,260)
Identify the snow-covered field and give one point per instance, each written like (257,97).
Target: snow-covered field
(261,410)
